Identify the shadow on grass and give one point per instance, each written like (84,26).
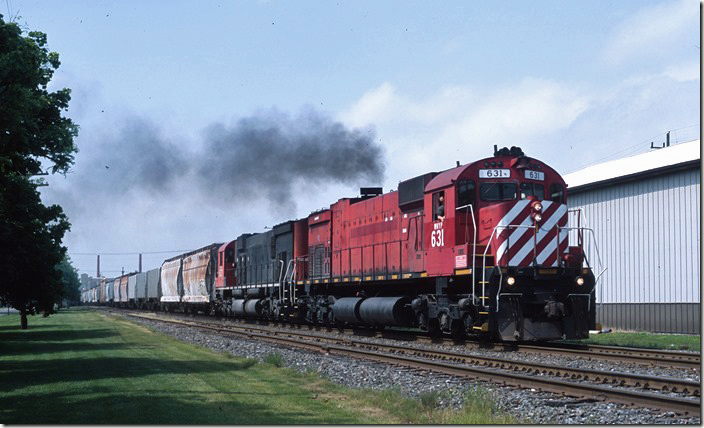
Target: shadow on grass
(18,374)
(114,391)
(158,407)
(23,348)
(81,373)
(16,328)
(55,335)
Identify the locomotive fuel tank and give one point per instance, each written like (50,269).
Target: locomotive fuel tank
(386,311)
(346,309)
(238,307)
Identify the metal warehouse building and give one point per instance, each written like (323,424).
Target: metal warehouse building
(645,213)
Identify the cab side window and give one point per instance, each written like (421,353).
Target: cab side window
(465,193)
(439,206)
(557,193)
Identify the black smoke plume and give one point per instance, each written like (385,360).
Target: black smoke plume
(261,156)
(137,156)
(267,154)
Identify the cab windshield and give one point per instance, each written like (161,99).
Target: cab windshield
(498,191)
(532,189)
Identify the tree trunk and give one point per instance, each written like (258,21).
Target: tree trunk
(23,320)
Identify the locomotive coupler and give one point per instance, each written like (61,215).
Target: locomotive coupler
(554,309)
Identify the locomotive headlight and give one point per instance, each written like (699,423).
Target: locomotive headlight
(579,281)
(537,206)
(510,281)
(537,217)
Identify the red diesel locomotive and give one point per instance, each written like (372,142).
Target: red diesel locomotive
(481,249)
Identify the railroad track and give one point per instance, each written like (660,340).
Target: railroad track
(641,356)
(583,383)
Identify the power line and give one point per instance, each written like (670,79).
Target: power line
(128,254)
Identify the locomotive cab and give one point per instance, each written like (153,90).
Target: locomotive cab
(226,266)
(503,238)
(225,278)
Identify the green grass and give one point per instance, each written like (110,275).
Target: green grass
(81,367)
(275,359)
(682,342)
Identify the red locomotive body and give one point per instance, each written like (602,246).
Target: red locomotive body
(366,242)
(225,279)
(480,248)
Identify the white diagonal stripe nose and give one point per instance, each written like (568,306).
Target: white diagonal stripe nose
(505,221)
(551,248)
(540,234)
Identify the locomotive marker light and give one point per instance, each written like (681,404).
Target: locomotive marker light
(537,209)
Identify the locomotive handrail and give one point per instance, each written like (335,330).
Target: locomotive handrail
(281,280)
(292,286)
(596,248)
(474,250)
(488,245)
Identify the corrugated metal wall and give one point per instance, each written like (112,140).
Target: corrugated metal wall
(647,232)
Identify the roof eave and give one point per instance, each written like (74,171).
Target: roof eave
(635,176)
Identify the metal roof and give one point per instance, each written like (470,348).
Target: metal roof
(445,178)
(667,158)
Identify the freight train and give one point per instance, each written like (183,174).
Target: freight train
(481,249)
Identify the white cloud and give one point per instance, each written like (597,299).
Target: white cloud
(520,112)
(385,105)
(462,123)
(374,106)
(653,31)
(685,72)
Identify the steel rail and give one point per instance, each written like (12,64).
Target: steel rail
(687,406)
(641,356)
(684,386)
(601,393)
(649,357)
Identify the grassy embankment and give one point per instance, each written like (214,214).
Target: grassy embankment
(80,367)
(682,342)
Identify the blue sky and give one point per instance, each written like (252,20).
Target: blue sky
(572,83)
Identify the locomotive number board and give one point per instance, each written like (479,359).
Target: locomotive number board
(494,173)
(535,175)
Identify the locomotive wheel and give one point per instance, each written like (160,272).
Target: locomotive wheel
(434,328)
(422,320)
(457,330)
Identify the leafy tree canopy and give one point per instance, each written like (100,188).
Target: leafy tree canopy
(33,133)
(70,281)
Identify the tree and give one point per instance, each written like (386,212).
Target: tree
(33,135)
(69,279)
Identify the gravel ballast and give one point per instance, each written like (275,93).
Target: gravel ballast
(526,405)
